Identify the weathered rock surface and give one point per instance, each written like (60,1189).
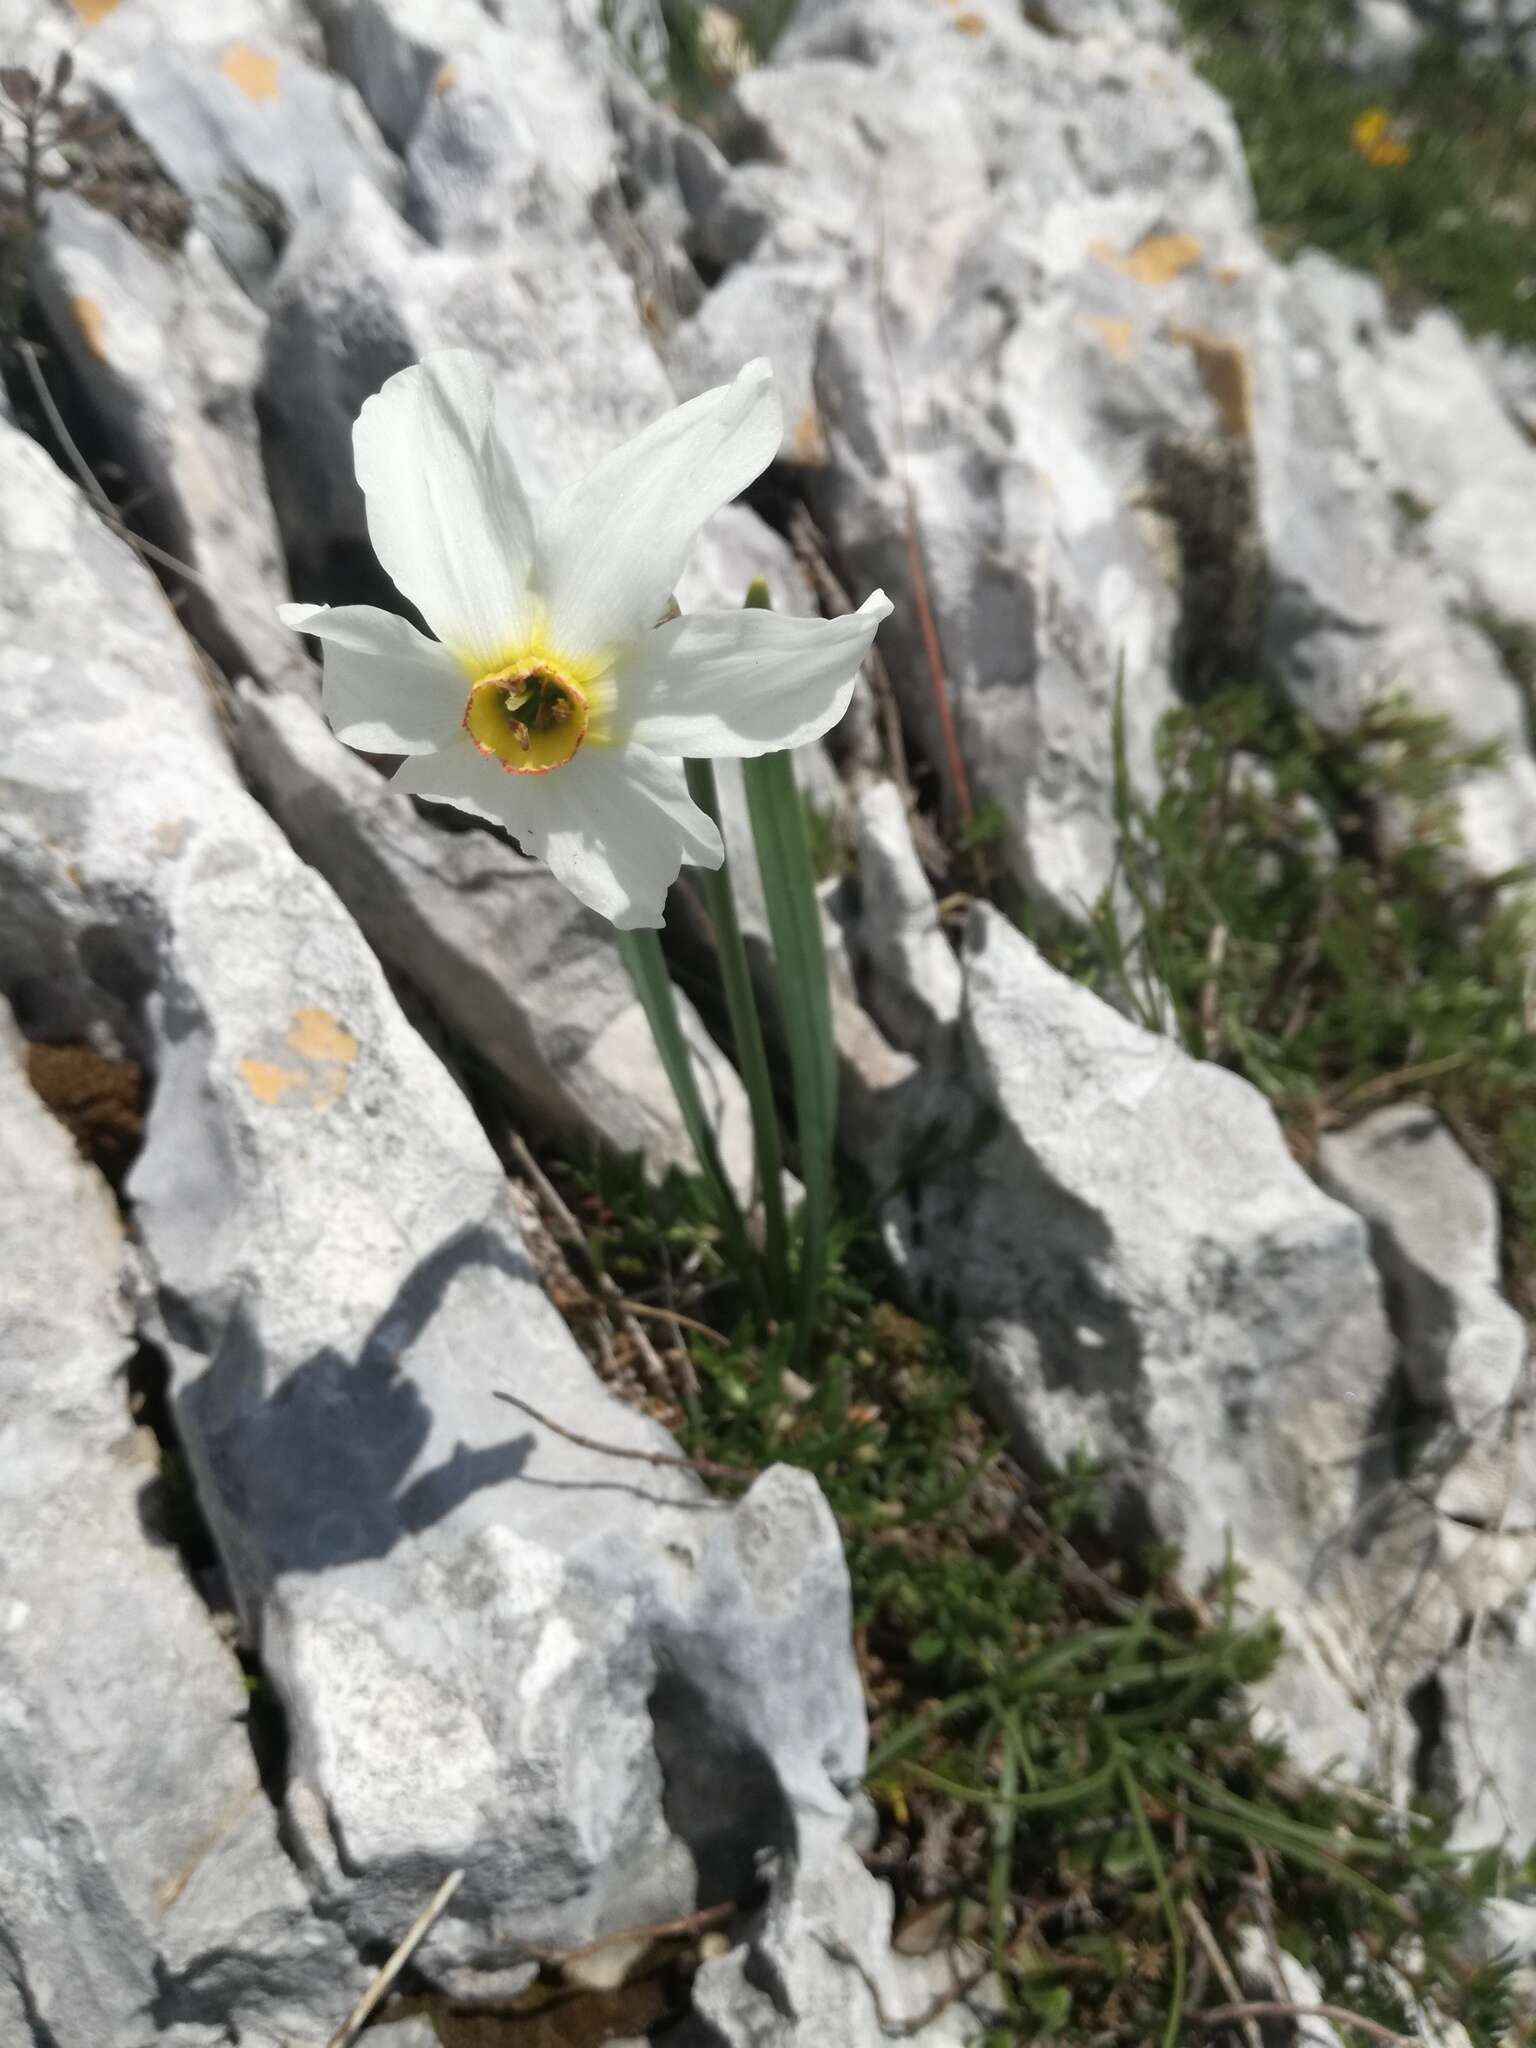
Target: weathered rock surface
(1484,1757)
(359,295)
(341,1286)
(142,1887)
(1133,442)
(166,349)
(905,966)
(1141,1271)
(507,958)
(1434,1220)
(804,1977)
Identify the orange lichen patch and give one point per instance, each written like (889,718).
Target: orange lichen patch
(1226,372)
(317,1078)
(269,1082)
(1158,259)
(808,444)
(92,323)
(250,71)
(970,24)
(1226,273)
(447,78)
(318,1036)
(92,11)
(1116,335)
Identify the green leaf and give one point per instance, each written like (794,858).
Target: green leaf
(642,955)
(747,1034)
(794,919)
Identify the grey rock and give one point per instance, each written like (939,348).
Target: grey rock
(906,967)
(166,349)
(478,101)
(142,1886)
(254,133)
(1129,435)
(1141,1271)
(495,1651)
(1362,606)
(507,958)
(1268,1972)
(1383,39)
(1483,1760)
(1434,1220)
(359,295)
(803,1977)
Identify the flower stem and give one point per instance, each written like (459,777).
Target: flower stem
(747,1032)
(647,966)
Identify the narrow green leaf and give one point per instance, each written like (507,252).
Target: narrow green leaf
(747,1033)
(647,966)
(794,919)
(1175,1925)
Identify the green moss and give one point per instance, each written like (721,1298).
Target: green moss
(1451,226)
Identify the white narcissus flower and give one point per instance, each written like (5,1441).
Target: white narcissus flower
(552,702)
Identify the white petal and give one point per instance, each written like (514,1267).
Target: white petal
(612,547)
(622,830)
(446,512)
(747,682)
(387,688)
(614,825)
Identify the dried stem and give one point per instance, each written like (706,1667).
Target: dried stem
(1282,2009)
(417,1933)
(707,1468)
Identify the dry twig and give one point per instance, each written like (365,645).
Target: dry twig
(707,1468)
(415,1935)
(1282,2009)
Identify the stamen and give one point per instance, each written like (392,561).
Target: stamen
(531,719)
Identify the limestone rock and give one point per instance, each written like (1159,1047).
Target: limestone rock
(909,973)
(166,350)
(1483,1761)
(340,1286)
(1135,445)
(508,959)
(1434,1221)
(478,102)
(359,295)
(1142,1272)
(802,1978)
(142,1886)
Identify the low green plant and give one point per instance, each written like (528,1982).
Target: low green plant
(1431,184)
(1293,906)
(1071,1791)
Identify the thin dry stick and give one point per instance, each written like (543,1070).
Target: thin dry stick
(655,1930)
(671,1315)
(565,1226)
(1200,1927)
(1281,2009)
(417,1933)
(932,652)
(108,511)
(707,1468)
(833,592)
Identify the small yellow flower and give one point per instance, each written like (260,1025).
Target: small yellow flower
(1373,138)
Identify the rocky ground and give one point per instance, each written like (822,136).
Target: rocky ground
(295,1617)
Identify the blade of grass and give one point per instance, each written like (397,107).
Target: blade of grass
(747,1034)
(794,919)
(647,967)
(1153,1854)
